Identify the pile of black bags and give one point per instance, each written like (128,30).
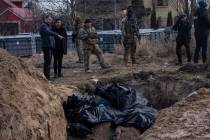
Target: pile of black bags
(115,103)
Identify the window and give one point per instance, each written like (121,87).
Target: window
(162,2)
(8,28)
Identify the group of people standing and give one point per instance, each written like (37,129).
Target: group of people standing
(201,27)
(54,44)
(85,38)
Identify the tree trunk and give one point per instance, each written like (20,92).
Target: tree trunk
(187,8)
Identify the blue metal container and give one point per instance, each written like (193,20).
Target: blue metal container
(21,45)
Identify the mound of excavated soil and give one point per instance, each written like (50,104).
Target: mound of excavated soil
(30,108)
(186,120)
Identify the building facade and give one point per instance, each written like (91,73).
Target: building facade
(14,18)
(163,7)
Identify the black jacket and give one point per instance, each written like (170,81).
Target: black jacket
(184,30)
(47,36)
(61,45)
(202,22)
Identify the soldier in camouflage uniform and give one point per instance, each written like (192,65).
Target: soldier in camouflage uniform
(77,25)
(89,36)
(130,33)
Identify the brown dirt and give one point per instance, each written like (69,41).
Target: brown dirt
(152,56)
(123,133)
(30,106)
(186,120)
(167,83)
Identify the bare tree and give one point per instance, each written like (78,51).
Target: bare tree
(64,9)
(69,12)
(35,13)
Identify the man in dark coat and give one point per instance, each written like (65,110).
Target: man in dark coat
(183,26)
(202,24)
(60,48)
(47,43)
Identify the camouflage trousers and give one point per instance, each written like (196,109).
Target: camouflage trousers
(130,48)
(92,49)
(79,50)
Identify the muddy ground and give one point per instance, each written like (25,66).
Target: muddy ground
(74,72)
(32,106)
(155,76)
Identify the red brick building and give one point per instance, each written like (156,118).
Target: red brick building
(14,18)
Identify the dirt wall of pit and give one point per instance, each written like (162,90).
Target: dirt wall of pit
(31,108)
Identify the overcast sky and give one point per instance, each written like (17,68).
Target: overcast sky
(51,4)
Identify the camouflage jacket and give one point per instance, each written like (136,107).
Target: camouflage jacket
(88,36)
(129,27)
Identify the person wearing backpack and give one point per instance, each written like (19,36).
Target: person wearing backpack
(130,33)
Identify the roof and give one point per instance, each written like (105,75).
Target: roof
(9,2)
(22,13)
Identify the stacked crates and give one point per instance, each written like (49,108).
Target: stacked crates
(21,45)
(2,43)
(27,45)
(107,40)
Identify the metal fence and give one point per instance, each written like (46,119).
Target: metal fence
(27,45)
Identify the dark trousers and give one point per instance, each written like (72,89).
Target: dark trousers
(58,61)
(47,61)
(179,50)
(201,44)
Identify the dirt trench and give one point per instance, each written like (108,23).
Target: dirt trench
(161,89)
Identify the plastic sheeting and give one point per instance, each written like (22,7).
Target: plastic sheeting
(115,103)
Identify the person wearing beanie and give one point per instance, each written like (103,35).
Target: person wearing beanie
(89,38)
(202,26)
(183,26)
(130,34)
